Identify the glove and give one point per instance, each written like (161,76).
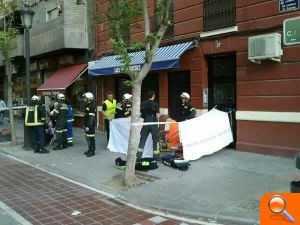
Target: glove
(87,129)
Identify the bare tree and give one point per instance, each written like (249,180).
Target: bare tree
(7,34)
(121,16)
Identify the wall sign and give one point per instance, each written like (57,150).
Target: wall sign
(291,31)
(288,5)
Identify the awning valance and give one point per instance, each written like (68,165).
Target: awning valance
(61,79)
(165,58)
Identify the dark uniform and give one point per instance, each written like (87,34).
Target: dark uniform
(35,120)
(149,111)
(90,123)
(124,110)
(188,111)
(60,116)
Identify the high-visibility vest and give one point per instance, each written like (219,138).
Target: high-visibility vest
(32,116)
(110,111)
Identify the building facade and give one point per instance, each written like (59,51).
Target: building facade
(262,97)
(61,45)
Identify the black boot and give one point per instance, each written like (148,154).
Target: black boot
(87,152)
(58,147)
(36,150)
(90,154)
(43,150)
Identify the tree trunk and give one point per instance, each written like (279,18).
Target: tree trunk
(8,69)
(133,136)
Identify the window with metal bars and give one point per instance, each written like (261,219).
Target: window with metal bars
(218,14)
(170,30)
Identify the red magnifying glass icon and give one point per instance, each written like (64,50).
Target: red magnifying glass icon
(277,205)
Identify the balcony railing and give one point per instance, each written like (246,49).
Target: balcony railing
(218,14)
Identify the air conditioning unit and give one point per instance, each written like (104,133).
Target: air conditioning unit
(263,47)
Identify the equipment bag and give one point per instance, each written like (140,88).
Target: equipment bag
(142,164)
(176,162)
(146,164)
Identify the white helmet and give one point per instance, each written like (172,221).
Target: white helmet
(185,95)
(34,98)
(127,96)
(61,96)
(88,95)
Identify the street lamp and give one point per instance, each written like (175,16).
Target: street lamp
(26,17)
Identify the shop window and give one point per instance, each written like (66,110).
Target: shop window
(75,92)
(156,23)
(218,14)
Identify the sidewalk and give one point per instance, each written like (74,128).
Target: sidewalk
(225,187)
(42,199)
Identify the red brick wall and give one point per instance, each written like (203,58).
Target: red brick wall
(267,87)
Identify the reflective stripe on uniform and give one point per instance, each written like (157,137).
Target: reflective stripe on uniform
(140,150)
(59,131)
(70,120)
(90,135)
(192,109)
(55,111)
(91,114)
(64,130)
(35,120)
(156,152)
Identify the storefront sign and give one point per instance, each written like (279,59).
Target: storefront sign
(291,31)
(288,5)
(49,92)
(133,68)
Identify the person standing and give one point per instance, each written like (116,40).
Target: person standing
(188,111)
(123,109)
(150,113)
(109,110)
(35,120)
(70,120)
(89,123)
(2,110)
(59,114)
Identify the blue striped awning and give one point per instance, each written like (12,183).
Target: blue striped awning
(165,58)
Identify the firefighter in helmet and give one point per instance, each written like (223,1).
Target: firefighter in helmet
(35,120)
(89,123)
(60,115)
(124,108)
(188,111)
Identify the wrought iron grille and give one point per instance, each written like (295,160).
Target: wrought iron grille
(218,14)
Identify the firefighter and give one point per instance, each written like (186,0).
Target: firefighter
(188,111)
(109,110)
(150,113)
(89,123)
(70,120)
(60,115)
(123,109)
(35,120)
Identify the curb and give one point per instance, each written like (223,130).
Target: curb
(201,218)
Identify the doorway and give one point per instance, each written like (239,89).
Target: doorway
(222,87)
(178,82)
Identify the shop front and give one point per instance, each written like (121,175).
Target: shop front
(167,59)
(71,81)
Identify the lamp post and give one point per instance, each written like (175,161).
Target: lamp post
(26,17)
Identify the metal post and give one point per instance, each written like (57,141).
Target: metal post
(27,53)
(27,136)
